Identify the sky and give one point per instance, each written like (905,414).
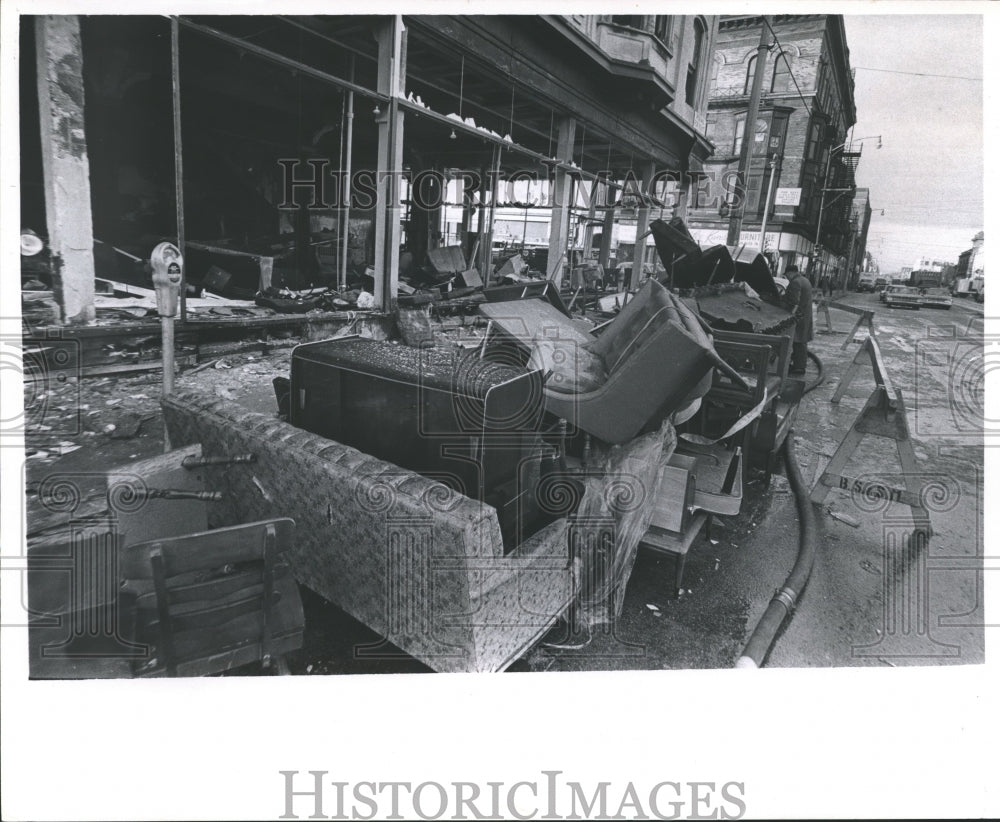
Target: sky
(928,175)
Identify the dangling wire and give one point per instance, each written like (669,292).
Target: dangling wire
(510,126)
(461,88)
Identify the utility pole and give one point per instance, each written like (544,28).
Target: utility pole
(767,202)
(749,130)
(814,257)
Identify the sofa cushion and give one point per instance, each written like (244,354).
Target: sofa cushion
(575,369)
(633,325)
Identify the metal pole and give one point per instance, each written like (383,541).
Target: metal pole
(487,261)
(481,218)
(749,129)
(175,74)
(346,197)
(767,202)
(167,355)
(167,329)
(814,260)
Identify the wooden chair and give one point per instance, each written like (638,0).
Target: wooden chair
(762,359)
(768,368)
(215,600)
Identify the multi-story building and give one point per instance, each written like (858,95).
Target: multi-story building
(977,256)
(250,124)
(799,147)
(861,215)
(972,261)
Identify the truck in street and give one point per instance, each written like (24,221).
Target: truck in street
(866,282)
(966,287)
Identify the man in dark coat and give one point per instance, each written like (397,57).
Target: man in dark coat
(798,298)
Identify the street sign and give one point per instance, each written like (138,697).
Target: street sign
(787,196)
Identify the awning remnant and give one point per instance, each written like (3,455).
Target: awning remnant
(732,308)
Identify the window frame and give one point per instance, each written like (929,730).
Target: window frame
(781,61)
(667,21)
(695,66)
(748,80)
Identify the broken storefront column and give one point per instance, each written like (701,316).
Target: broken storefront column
(391,81)
(604,254)
(642,226)
(66,170)
(588,231)
(561,187)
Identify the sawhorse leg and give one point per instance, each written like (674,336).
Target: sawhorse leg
(854,330)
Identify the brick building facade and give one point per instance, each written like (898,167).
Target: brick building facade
(806,111)
(861,216)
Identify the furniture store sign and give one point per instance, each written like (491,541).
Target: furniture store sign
(707,237)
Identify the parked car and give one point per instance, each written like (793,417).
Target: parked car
(866,283)
(902,296)
(935,298)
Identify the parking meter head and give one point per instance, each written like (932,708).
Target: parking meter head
(167,264)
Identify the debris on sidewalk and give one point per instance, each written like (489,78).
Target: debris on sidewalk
(844,518)
(127,425)
(870,567)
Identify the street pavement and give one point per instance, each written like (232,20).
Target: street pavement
(869,601)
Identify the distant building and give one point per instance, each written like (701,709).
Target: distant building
(977,257)
(861,215)
(962,269)
(927,264)
(807,107)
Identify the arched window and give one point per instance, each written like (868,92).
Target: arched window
(751,67)
(781,80)
(694,67)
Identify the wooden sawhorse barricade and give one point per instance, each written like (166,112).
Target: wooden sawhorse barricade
(865,317)
(884,415)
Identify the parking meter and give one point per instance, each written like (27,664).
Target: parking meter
(167,264)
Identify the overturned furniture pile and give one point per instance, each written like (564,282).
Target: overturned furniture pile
(462,501)
(463,498)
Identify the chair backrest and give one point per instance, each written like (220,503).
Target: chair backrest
(747,358)
(631,325)
(780,345)
(214,600)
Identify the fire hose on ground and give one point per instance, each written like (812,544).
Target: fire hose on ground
(785,598)
(819,380)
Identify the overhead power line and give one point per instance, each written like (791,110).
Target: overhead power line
(920,74)
(791,74)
